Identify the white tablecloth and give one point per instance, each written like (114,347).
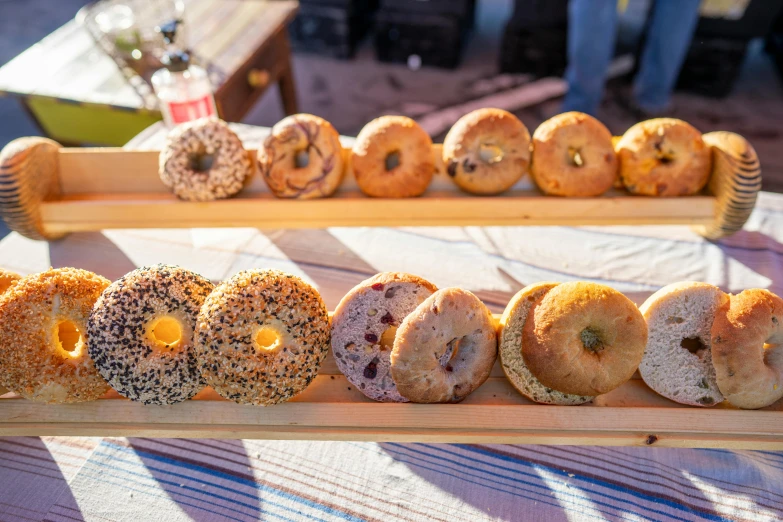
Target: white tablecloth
(137,480)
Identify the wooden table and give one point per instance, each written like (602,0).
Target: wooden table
(77,95)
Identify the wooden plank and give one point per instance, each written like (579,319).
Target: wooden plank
(116,188)
(332,409)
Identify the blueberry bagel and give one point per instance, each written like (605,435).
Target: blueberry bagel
(142,334)
(364,327)
(44,336)
(262,336)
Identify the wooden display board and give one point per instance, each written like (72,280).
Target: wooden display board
(49,191)
(331,408)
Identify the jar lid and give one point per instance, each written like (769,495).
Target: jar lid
(176,60)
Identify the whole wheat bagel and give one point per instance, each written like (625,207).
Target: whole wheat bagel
(584,339)
(445,348)
(747,346)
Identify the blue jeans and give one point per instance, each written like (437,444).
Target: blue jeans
(592,27)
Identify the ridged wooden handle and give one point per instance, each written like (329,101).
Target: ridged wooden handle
(735,182)
(28,176)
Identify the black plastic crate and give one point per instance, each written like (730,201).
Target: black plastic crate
(755,22)
(432,40)
(712,66)
(464,9)
(541,52)
(539,14)
(327,30)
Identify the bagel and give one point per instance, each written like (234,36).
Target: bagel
(487,151)
(678,359)
(392,158)
(445,348)
(262,336)
(302,158)
(664,157)
(142,334)
(747,345)
(204,160)
(573,156)
(44,336)
(510,341)
(364,326)
(583,339)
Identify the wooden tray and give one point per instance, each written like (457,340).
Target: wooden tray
(47,191)
(332,409)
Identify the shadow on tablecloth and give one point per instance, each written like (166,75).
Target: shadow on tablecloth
(40,478)
(588,483)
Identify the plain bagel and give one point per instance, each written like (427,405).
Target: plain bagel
(510,341)
(747,345)
(584,339)
(392,158)
(445,348)
(677,362)
(573,156)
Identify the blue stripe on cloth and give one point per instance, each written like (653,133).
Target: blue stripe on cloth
(462,474)
(235,479)
(179,491)
(597,482)
(122,484)
(545,488)
(760,459)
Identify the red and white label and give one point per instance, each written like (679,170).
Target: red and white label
(191,109)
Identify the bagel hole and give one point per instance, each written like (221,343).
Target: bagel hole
(575,155)
(392,160)
(166,333)
(201,162)
(68,338)
(267,338)
(452,347)
(694,345)
(490,153)
(301,159)
(591,340)
(387,338)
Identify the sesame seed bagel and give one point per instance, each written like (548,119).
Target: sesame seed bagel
(573,156)
(747,346)
(302,158)
(44,336)
(510,341)
(445,348)
(584,339)
(262,336)
(664,157)
(677,362)
(487,151)
(392,158)
(364,326)
(142,334)
(7,280)
(204,160)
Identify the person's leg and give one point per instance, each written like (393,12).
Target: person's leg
(591,35)
(668,38)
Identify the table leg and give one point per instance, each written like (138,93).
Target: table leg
(286,79)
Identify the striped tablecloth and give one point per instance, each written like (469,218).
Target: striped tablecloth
(137,480)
